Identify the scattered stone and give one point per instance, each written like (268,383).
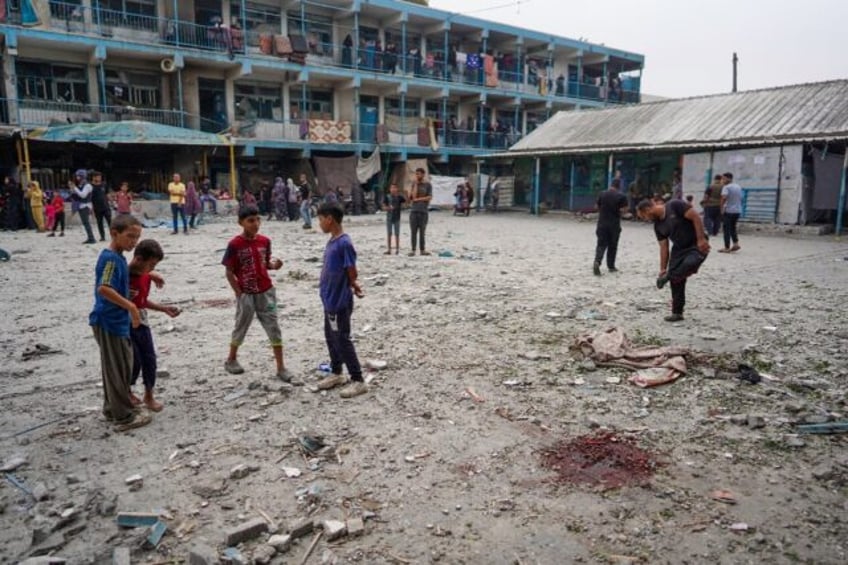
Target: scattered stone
(355,527)
(795,441)
(300,529)
(263,554)
(72,480)
(333,529)
(136,519)
(135,482)
(40,492)
(121,556)
(756,422)
(740,527)
(44,560)
(281,543)
(162,373)
(12,464)
(233,556)
(239,471)
(292,472)
(376,364)
(587,365)
(245,531)
(55,541)
(202,555)
(157,530)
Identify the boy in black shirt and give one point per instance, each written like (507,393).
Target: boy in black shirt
(679,222)
(392,204)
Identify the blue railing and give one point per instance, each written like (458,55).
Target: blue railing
(759,204)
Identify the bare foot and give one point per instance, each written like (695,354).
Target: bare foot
(134,399)
(152,404)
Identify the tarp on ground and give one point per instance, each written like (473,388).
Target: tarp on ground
(128,132)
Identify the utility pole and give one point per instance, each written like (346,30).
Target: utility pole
(735,65)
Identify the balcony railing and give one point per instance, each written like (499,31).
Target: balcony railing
(518,78)
(36,113)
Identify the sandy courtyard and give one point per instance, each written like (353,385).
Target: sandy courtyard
(437,474)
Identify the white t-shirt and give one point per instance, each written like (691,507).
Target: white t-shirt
(733,193)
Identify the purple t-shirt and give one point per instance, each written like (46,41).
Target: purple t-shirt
(339,255)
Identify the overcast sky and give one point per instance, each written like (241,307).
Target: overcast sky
(688,44)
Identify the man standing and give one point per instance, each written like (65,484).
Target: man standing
(712,206)
(206,195)
(177,192)
(81,191)
(305,190)
(679,222)
(731,209)
(612,205)
(420,196)
(100,203)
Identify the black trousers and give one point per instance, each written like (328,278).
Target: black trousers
(418,229)
(683,264)
(85,218)
(101,214)
(144,356)
(678,296)
(712,219)
(342,350)
(730,221)
(59,222)
(607,243)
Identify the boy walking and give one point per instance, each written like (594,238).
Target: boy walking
(247,259)
(146,256)
(111,318)
(337,288)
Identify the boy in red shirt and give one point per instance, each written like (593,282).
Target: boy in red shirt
(247,259)
(57,207)
(146,256)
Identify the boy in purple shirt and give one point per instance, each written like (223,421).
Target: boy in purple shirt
(338,287)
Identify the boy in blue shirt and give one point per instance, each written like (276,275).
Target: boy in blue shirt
(110,320)
(338,287)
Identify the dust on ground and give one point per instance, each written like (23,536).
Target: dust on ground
(443,458)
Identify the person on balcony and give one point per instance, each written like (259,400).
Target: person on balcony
(347,51)
(390,58)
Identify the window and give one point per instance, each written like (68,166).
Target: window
(258,18)
(134,89)
(67,10)
(318,31)
(129,7)
(43,81)
(433,109)
(258,102)
(318,104)
(410,110)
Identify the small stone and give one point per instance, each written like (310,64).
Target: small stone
(333,529)
(72,480)
(302,528)
(245,531)
(135,482)
(202,555)
(233,556)
(355,527)
(40,492)
(588,365)
(121,556)
(292,472)
(281,543)
(239,471)
(756,422)
(263,554)
(162,373)
(376,364)
(13,464)
(795,441)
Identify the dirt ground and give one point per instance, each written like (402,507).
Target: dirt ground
(437,473)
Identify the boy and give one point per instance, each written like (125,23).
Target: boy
(57,204)
(247,259)
(392,204)
(123,199)
(147,255)
(337,288)
(110,320)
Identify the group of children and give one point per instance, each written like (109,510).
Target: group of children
(119,317)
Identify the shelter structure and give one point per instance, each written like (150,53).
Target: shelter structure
(785,146)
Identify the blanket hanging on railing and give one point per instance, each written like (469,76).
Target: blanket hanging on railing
(368,167)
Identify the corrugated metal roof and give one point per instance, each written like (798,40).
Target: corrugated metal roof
(789,114)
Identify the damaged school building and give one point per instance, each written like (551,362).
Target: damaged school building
(785,146)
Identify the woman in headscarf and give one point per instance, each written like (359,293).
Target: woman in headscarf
(36,203)
(292,199)
(193,206)
(279,199)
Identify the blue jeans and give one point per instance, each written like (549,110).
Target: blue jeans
(305,213)
(178,209)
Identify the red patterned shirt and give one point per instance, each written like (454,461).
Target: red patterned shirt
(248,259)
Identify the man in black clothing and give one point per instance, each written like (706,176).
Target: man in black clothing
(100,203)
(612,205)
(677,221)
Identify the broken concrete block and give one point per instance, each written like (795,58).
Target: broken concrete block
(202,555)
(52,543)
(281,543)
(239,471)
(135,482)
(233,556)
(299,529)
(121,556)
(136,519)
(263,554)
(246,530)
(355,527)
(333,529)
(44,560)
(157,530)
(13,464)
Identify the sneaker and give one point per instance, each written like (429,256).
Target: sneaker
(133,422)
(423,253)
(411,253)
(724,250)
(89,241)
(662,281)
(596,269)
(612,270)
(674,318)
(285,375)
(233,367)
(389,252)
(331,382)
(354,389)
(735,248)
(62,234)
(51,235)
